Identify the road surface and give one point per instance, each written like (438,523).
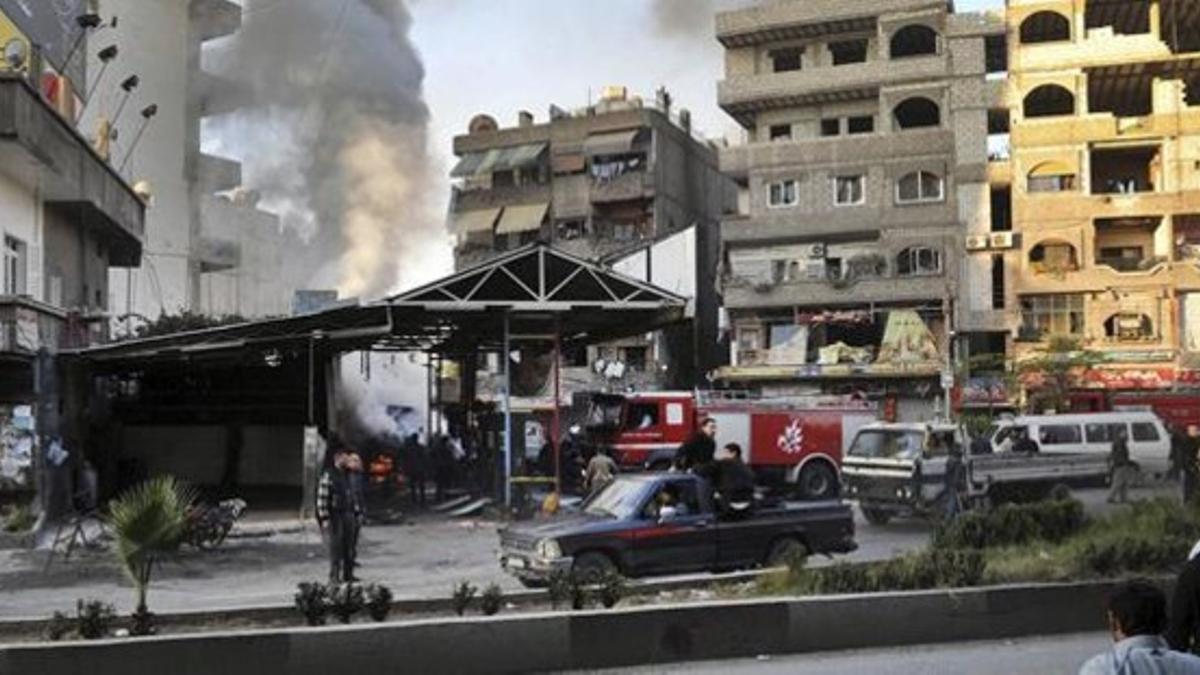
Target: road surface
(1044,656)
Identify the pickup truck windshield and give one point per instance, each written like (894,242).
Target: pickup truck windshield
(887,444)
(620,500)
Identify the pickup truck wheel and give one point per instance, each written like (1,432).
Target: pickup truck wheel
(817,481)
(783,551)
(591,568)
(876,516)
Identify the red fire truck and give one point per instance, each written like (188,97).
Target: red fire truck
(794,443)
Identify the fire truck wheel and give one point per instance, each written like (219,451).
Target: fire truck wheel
(593,567)
(876,516)
(817,481)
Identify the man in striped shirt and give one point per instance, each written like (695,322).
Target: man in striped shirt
(338,512)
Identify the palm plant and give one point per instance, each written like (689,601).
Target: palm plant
(148,522)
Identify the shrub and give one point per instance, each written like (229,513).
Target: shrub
(345,600)
(491,600)
(1011,524)
(312,599)
(379,601)
(19,519)
(559,588)
(578,592)
(94,618)
(612,588)
(59,627)
(464,593)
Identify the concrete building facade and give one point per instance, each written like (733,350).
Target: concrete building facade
(864,168)
(1104,178)
(621,181)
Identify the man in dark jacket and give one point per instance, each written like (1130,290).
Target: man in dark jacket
(1121,470)
(697,452)
(1189,462)
(338,514)
(734,481)
(1183,629)
(416,463)
(1023,443)
(955,482)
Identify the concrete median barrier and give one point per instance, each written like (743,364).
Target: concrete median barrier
(594,639)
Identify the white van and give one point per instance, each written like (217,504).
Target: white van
(1149,442)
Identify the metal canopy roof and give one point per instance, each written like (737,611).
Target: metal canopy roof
(537,290)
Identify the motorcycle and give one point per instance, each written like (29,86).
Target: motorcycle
(207,526)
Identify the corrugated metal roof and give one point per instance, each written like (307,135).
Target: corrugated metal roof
(522,218)
(498,159)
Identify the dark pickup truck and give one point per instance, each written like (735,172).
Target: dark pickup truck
(665,523)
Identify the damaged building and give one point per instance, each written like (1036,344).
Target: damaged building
(1104,184)
(625,182)
(864,166)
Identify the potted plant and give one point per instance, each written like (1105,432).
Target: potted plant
(345,600)
(312,599)
(379,601)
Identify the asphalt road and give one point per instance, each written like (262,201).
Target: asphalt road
(419,560)
(1044,656)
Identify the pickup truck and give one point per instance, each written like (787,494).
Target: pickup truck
(900,470)
(666,523)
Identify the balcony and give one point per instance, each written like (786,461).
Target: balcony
(739,161)
(475,200)
(216,174)
(774,22)
(745,295)
(743,96)
(628,187)
(217,255)
(211,19)
(41,150)
(27,326)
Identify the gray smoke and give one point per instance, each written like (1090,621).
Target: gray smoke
(335,136)
(690,18)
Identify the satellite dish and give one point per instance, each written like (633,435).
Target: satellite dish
(16,53)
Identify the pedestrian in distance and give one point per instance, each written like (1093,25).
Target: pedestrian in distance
(698,451)
(1136,617)
(601,470)
(955,483)
(1183,628)
(1023,443)
(338,512)
(1190,463)
(1121,470)
(415,467)
(358,483)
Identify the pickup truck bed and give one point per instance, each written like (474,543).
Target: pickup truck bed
(636,542)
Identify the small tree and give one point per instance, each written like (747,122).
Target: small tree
(148,522)
(1059,369)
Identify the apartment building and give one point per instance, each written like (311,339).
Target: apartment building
(864,168)
(620,180)
(1104,179)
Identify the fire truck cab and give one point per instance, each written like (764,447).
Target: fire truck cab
(795,444)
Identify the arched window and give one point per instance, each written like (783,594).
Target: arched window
(1045,27)
(917,113)
(1129,327)
(1053,256)
(1049,100)
(919,261)
(915,40)
(1051,177)
(919,186)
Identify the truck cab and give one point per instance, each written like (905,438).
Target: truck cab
(899,469)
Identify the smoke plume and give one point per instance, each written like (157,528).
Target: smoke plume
(690,18)
(334,136)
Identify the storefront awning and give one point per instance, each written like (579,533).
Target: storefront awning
(482,220)
(612,143)
(499,159)
(522,218)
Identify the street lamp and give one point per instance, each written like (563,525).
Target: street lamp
(148,114)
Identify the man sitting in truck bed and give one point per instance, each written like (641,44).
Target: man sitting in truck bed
(733,481)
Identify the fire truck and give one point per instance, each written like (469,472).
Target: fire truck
(795,444)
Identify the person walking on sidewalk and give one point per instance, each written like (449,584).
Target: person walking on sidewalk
(338,513)
(1121,470)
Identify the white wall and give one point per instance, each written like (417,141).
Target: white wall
(21,217)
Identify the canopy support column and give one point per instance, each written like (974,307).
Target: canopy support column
(506,358)
(556,422)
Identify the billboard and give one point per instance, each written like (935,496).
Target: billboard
(51,25)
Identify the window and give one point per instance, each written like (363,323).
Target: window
(1060,434)
(831,127)
(503,179)
(917,113)
(1102,433)
(915,40)
(786,60)
(1053,314)
(575,357)
(919,261)
(999,294)
(1044,27)
(1129,327)
(572,229)
(680,495)
(848,51)
(1065,183)
(781,132)
(1049,100)
(641,416)
(1145,432)
(861,125)
(14,267)
(782,194)
(848,190)
(626,231)
(919,186)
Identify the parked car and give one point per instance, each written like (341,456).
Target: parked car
(1093,433)
(666,523)
(900,470)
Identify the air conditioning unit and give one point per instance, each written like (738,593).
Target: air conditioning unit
(1003,240)
(816,251)
(977,242)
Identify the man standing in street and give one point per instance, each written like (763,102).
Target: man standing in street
(1189,462)
(601,470)
(1137,616)
(955,482)
(338,513)
(698,451)
(415,464)
(1121,470)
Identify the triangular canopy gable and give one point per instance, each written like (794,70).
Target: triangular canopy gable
(538,276)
